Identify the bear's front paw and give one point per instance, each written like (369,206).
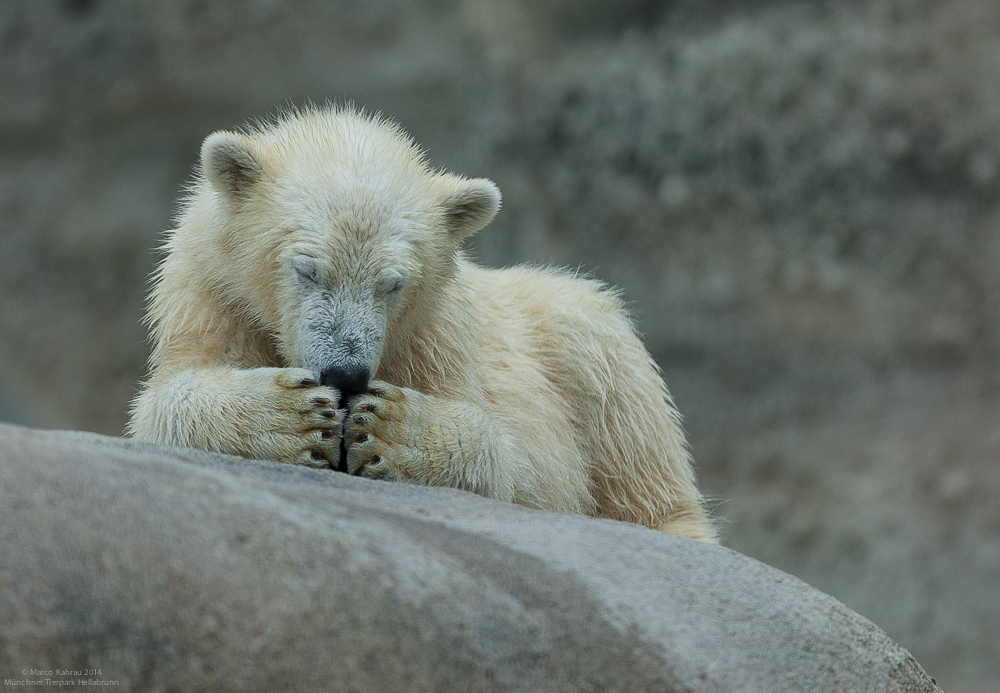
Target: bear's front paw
(380,434)
(303,425)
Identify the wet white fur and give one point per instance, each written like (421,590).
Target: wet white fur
(552,401)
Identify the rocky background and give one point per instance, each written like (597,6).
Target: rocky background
(800,198)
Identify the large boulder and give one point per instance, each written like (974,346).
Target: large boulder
(173,569)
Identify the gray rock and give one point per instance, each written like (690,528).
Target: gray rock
(172,569)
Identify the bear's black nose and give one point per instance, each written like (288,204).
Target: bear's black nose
(350,380)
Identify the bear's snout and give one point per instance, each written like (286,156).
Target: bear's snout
(349,380)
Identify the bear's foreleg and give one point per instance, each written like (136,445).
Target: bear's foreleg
(398,434)
(279,414)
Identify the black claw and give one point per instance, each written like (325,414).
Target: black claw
(316,454)
(308,382)
(327,433)
(328,414)
(321,400)
(361,438)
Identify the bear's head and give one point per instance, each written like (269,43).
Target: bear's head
(333,235)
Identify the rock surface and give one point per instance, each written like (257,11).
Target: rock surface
(173,569)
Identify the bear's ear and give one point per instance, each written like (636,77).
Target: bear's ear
(469,205)
(228,163)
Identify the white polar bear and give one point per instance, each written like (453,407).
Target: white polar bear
(314,308)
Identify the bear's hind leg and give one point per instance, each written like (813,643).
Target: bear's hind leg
(691,521)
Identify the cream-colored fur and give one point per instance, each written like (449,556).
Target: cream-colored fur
(322,244)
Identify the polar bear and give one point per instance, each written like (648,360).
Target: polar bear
(314,307)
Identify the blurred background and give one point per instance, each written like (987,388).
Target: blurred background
(801,199)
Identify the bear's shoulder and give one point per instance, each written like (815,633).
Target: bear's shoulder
(529,277)
(544,292)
